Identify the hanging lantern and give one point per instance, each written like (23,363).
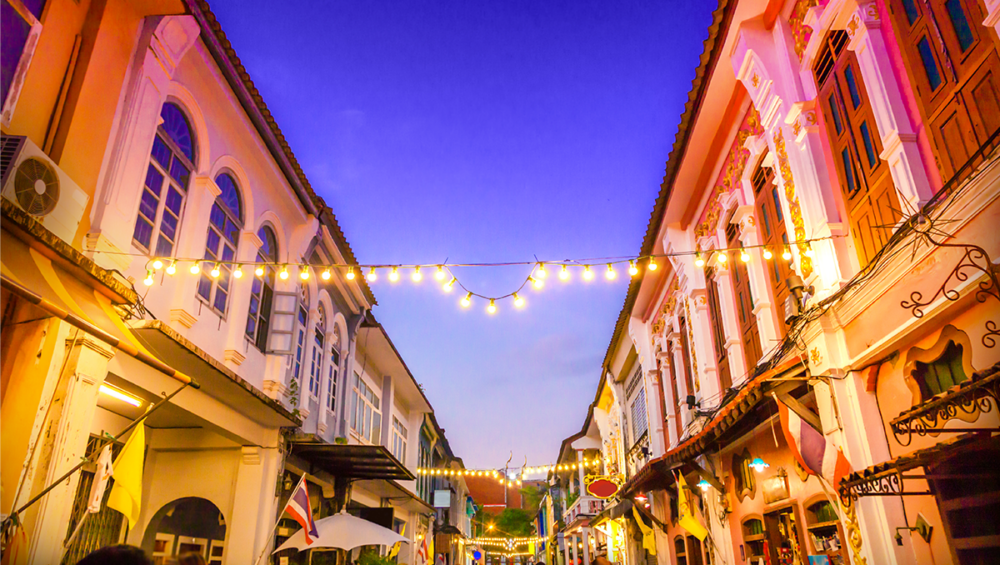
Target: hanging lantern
(759,464)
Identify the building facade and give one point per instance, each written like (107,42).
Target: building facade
(823,245)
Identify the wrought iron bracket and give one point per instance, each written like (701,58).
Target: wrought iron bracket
(972,396)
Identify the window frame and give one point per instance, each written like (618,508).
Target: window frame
(398,440)
(744,302)
(774,236)
(333,373)
(718,329)
(167,182)
(365,397)
(264,294)
(219,255)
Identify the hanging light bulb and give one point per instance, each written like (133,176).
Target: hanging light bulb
(416,276)
(238,272)
(537,283)
(350,273)
(723,257)
(587,273)
(744,256)
(195,269)
(372,275)
(632,269)
(467,300)
(492,308)
(768,254)
(327,274)
(284,272)
(704,485)
(518,301)
(809,250)
(394,274)
(448,285)
(148,281)
(216,271)
(564,273)
(171,268)
(439,274)
(157,264)
(652,264)
(259,271)
(610,273)
(540,272)
(759,464)
(786,254)
(698,261)
(304,272)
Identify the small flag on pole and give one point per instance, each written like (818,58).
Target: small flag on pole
(814,451)
(395,547)
(126,494)
(300,509)
(101,475)
(687,520)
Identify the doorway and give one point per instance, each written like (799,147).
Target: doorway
(784,536)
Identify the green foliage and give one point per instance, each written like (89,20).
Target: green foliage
(570,499)
(515,522)
(373,558)
(531,497)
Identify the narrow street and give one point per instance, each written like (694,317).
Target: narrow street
(560,282)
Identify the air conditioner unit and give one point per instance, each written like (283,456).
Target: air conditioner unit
(36,185)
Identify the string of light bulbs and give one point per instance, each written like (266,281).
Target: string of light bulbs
(443,273)
(526,470)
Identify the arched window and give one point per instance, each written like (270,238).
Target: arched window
(316,357)
(224,227)
(334,370)
(300,335)
(170,165)
(262,291)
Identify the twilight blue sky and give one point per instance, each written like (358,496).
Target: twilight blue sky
(482,132)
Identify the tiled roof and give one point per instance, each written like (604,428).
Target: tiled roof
(721,18)
(253,103)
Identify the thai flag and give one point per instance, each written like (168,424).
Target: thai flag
(300,509)
(814,451)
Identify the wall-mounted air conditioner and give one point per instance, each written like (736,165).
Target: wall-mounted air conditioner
(36,185)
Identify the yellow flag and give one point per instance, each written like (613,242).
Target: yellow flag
(688,521)
(395,547)
(126,495)
(648,541)
(531,548)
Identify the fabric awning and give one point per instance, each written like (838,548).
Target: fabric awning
(352,461)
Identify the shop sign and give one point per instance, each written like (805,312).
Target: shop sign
(602,486)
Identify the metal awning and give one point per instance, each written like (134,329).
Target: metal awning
(352,461)
(613,512)
(217,380)
(886,478)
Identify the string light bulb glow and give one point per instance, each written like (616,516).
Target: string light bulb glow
(259,271)
(157,264)
(698,261)
(394,274)
(492,308)
(238,272)
(304,273)
(744,256)
(610,273)
(767,254)
(216,271)
(372,275)
(537,283)
(171,268)
(327,274)
(723,257)
(564,273)
(541,272)
(148,281)
(283,275)
(195,268)
(448,285)
(518,301)
(632,269)
(439,274)
(809,251)
(416,276)
(652,266)
(467,300)
(786,254)
(350,273)
(587,273)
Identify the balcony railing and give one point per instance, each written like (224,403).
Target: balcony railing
(585,506)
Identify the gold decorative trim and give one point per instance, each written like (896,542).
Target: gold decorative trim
(794,209)
(852,531)
(800,31)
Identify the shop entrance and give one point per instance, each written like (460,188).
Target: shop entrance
(784,536)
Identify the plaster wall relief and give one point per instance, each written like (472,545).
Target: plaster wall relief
(801,32)
(787,182)
(168,39)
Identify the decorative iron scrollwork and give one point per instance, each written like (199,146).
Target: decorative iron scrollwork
(871,484)
(974,260)
(970,397)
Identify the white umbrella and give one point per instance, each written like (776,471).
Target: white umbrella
(343,531)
